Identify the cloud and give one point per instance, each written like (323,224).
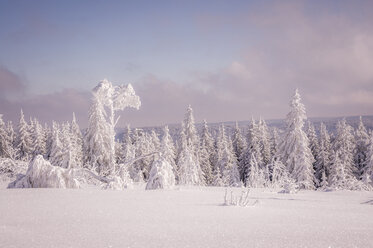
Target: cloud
(57,106)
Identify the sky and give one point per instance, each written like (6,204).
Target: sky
(231,60)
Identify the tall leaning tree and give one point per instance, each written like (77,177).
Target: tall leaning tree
(294,149)
(100,136)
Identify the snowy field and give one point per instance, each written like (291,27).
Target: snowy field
(183,217)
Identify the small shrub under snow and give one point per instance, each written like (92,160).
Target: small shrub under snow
(242,201)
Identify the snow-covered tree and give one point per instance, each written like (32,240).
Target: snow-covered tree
(255,176)
(294,150)
(190,132)
(324,156)
(207,154)
(57,154)
(144,145)
(362,141)
(253,149)
(313,142)
(11,141)
(239,145)
(76,143)
(4,140)
(100,136)
(227,161)
(189,169)
(162,175)
(368,169)
(168,149)
(128,148)
(342,171)
(275,142)
(23,139)
(264,141)
(280,174)
(38,139)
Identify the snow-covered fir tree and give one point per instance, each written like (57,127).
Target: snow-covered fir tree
(190,132)
(255,176)
(227,161)
(275,142)
(97,138)
(362,141)
(38,139)
(189,169)
(11,141)
(313,142)
(253,149)
(294,150)
(162,175)
(128,148)
(207,154)
(5,146)
(57,153)
(264,141)
(280,175)
(76,139)
(239,145)
(144,145)
(168,149)
(23,139)
(368,168)
(343,170)
(324,156)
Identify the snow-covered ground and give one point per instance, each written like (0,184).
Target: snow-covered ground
(183,217)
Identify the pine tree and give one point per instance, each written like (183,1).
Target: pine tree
(362,141)
(294,150)
(24,139)
(324,156)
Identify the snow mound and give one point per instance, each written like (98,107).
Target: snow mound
(41,174)
(161,175)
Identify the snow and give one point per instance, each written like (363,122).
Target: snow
(185,217)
